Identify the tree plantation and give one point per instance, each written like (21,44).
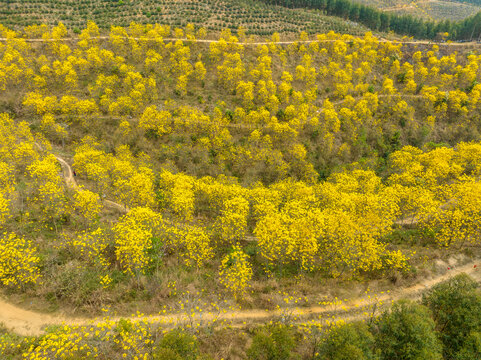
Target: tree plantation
(257,198)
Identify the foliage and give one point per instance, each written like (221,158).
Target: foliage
(455,305)
(235,271)
(232,223)
(313,155)
(471,348)
(87,204)
(180,195)
(89,246)
(376,19)
(407,332)
(4,209)
(272,342)
(212,15)
(47,188)
(347,342)
(133,235)
(177,344)
(19,263)
(197,247)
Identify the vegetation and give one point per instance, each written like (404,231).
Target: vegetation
(376,19)
(454,306)
(348,341)
(304,164)
(428,10)
(215,15)
(272,342)
(259,17)
(407,331)
(476,2)
(153,169)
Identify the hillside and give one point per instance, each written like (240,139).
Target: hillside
(177,193)
(259,17)
(214,15)
(226,143)
(428,9)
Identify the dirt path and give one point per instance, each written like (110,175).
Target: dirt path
(67,174)
(25,322)
(255,43)
(72,183)
(247,127)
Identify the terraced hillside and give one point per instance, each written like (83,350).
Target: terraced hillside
(215,15)
(427,9)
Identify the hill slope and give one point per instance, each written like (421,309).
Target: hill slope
(215,15)
(427,9)
(420,19)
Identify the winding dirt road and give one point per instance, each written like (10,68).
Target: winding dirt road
(25,322)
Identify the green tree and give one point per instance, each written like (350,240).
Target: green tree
(274,342)
(456,308)
(348,342)
(406,332)
(471,348)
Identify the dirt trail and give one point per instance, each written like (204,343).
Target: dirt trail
(67,174)
(247,126)
(207,41)
(26,322)
(72,183)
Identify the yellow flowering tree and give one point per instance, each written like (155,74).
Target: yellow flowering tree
(197,247)
(133,238)
(4,209)
(235,271)
(232,224)
(457,221)
(180,193)
(47,188)
(88,246)
(19,263)
(87,204)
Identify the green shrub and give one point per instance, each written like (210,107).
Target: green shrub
(456,308)
(348,342)
(176,344)
(406,332)
(166,354)
(471,348)
(274,342)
